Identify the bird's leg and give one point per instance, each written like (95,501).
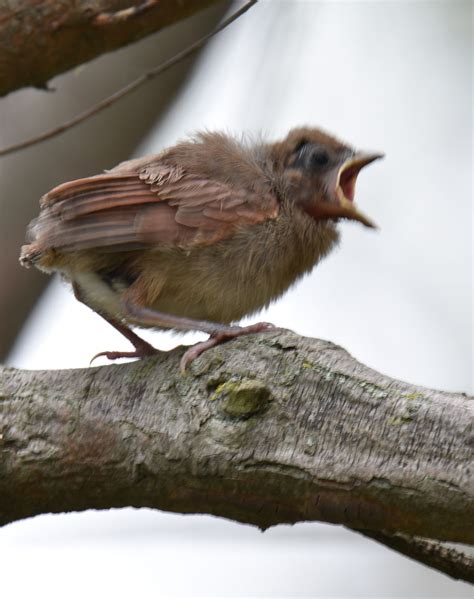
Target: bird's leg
(142,348)
(218,333)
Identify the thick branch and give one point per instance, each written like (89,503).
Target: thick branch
(43,38)
(266,429)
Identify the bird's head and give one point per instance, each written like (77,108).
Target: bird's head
(320,174)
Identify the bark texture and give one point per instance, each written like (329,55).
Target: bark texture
(43,38)
(266,429)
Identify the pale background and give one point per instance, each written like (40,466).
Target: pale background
(390,76)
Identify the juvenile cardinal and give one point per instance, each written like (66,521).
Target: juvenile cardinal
(200,235)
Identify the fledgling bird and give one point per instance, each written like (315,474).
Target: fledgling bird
(200,235)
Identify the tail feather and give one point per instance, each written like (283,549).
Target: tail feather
(30,254)
(38,252)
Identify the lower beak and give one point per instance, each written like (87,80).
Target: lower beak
(345,186)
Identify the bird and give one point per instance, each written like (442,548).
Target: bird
(200,235)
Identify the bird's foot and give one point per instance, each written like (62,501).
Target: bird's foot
(221,337)
(142,350)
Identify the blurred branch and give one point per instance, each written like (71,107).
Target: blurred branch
(267,429)
(43,38)
(454,563)
(130,87)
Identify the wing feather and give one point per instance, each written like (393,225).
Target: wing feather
(158,204)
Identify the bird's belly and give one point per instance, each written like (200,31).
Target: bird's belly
(211,296)
(220,294)
(226,303)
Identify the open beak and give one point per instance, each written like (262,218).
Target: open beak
(345,186)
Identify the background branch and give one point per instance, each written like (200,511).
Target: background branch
(43,38)
(127,89)
(265,430)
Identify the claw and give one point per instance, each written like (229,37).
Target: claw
(143,351)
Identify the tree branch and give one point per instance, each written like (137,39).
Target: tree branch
(264,430)
(43,38)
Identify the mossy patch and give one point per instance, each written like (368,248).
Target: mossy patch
(241,398)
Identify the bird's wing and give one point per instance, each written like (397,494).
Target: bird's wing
(158,204)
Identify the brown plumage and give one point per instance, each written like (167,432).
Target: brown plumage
(198,236)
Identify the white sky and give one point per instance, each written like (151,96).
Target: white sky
(386,76)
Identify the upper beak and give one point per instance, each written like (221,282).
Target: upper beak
(345,185)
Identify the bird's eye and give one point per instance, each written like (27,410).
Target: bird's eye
(319,158)
(310,156)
